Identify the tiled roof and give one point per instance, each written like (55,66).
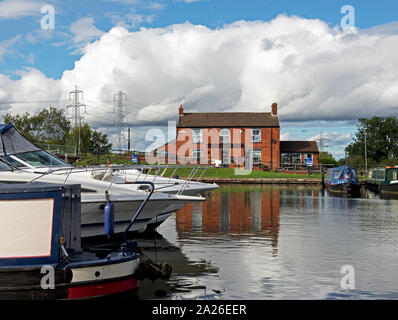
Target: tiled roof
(299,146)
(228,120)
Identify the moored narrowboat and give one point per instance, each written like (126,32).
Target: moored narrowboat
(384,180)
(40,248)
(375,178)
(343,180)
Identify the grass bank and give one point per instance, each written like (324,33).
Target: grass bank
(227,173)
(211,172)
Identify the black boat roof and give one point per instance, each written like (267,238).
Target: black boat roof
(35,186)
(14,142)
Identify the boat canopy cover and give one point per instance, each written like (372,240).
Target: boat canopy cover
(13,142)
(335,174)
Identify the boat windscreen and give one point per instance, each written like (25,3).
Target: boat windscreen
(4,166)
(14,162)
(41,159)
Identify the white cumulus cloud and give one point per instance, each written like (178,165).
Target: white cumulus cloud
(84,30)
(313,71)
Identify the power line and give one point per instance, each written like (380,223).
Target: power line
(30,101)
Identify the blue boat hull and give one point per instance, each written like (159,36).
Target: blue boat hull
(348,188)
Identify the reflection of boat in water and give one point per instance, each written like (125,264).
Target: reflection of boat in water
(384,180)
(160,250)
(343,180)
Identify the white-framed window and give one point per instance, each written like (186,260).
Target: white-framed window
(307,156)
(196,155)
(256,156)
(296,158)
(197,135)
(225,135)
(256,135)
(225,156)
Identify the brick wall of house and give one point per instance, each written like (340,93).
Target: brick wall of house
(240,139)
(211,149)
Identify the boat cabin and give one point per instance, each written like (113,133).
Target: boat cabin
(341,174)
(391,175)
(20,152)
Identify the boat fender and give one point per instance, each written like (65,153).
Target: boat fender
(109,219)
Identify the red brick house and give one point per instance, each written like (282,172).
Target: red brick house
(233,138)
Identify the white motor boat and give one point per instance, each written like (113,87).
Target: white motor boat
(96,194)
(21,153)
(132,174)
(35,164)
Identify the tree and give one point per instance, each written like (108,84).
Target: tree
(22,123)
(52,126)
(85,133)
(327,158)
(49,125)
(381,140)
(99,143)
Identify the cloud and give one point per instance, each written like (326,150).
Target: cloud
(333,142)
(155,5)
(286,137)
(125,2)
(13,9)
(313,71)
(131,19)
(7,46)
(84,30)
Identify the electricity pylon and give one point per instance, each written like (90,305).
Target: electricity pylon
(75,115)
(120,111)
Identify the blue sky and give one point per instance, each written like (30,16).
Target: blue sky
(24,46)
(53,60)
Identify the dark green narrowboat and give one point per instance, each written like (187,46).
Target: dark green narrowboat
(383,180)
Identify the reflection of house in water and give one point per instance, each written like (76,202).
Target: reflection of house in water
(235,211)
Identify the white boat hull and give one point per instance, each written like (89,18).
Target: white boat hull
(153,212)
(125,198)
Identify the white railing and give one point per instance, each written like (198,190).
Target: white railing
(119,171)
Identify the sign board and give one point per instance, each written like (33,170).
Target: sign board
(308,162)
(134,158)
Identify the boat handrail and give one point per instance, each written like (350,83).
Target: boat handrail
(152,189)
(120,170)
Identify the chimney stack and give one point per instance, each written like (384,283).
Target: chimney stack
(181,110)
(274,109)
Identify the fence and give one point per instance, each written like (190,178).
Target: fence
(58,149)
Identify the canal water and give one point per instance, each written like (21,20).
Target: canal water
(259,242)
